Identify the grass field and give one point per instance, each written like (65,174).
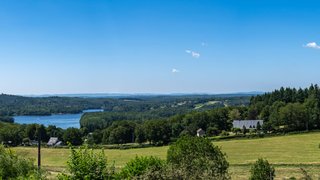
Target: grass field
(286,153)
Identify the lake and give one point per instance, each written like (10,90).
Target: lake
(63,121)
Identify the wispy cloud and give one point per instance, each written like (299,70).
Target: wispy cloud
(204,44)
(313,45)
(175,70)
(193,53)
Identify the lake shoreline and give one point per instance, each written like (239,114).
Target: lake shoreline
(83,111)
(61,120)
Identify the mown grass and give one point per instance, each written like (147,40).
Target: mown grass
(286,153)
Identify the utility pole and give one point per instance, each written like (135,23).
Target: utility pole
(39,148)
(133,137)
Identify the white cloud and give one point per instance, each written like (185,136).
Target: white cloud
(175,70)
(313,45)
(204,44)
(193,54)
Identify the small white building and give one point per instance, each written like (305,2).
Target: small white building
(249,124)
(201,132)
(52,141)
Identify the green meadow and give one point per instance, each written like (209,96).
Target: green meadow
(287,153)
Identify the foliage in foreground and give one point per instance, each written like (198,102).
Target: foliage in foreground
(140,165)
(15,167)
(262,170)
(86,164)
(197,158)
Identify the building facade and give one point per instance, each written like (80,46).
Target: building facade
(249,124)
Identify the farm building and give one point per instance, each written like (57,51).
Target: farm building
(200,132)
(53,141)
(249,124)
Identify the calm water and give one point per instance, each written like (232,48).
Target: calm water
(60,120)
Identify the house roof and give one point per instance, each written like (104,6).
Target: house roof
(200,130)
(52,141)
(246,123)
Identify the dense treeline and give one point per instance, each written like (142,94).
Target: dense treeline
(157,108)
(19,105)
(159,121)
(284,110)
(163,131)
(17,134)
(288,109)
(154,131)
(156,119)
(134,107)
(157,131)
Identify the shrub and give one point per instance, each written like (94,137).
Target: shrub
(197,158)
(262,170)
(15,167)
(88,165)
(224,133)
(167,172)
(305,175)
(139,165)
(236,130)
(213,131)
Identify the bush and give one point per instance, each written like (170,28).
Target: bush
(262,170)
(197,158)
(213,131)
(85,164)
(167,172)
(305,175)
(15,167)
(224,133)
(139,165)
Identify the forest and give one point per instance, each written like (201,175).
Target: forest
(161,120)
(162,105)
(122,116)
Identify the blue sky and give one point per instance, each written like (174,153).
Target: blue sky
(167,46)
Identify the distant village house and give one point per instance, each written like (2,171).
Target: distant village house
(201,132)
(54,141)
(249,124)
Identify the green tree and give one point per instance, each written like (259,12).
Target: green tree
(258,126)
(31,131)
(213,131)
(120,135)
(234,114)
(313,112)
(198,158)
(13,166)
(236,130)
(53,131)
(262,170)
(73,136)
(97,136)
(84,164)
(11,134)
(244,129)
(42,132)
(293,115)
(139,134)
(157,131)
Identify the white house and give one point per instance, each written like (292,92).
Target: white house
(52,141)
(200,132)
(249,124)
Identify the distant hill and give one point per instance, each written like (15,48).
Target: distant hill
(121,95)
(75,103)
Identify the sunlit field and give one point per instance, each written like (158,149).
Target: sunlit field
(286,153)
